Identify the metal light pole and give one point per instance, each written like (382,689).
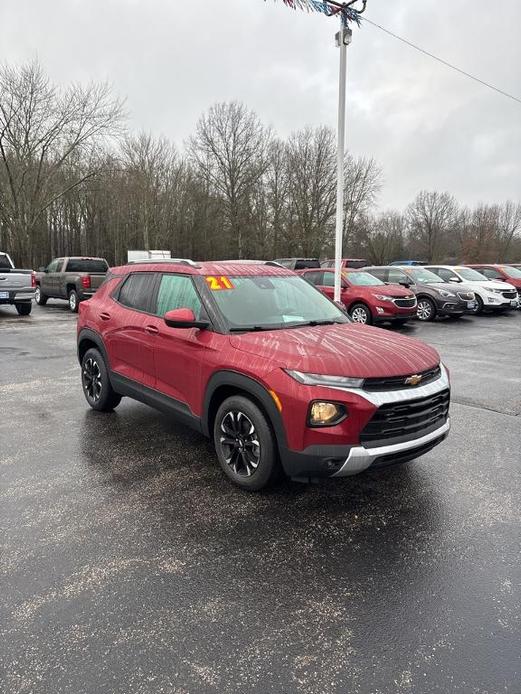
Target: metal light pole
(343,39)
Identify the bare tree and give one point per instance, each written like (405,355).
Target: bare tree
(230,150)
(430,218)
(363,182)
(42,128)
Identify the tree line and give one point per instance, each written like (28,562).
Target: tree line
(73,181)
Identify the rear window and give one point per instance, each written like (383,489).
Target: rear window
(137,291)
(304,263)
(4,262)
(91,265)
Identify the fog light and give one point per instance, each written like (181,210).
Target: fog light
(379,309)
(324,414)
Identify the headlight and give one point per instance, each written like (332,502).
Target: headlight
(496,291)
(381,297)
(319,380)
(326,414)
(445,293)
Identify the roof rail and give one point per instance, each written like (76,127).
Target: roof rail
(177,261)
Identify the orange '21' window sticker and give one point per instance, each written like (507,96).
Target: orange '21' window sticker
(218,283)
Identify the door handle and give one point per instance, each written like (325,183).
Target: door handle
(151,329)
(104,316)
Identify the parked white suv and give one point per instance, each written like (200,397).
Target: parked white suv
(491,295)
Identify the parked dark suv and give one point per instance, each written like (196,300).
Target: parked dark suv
(262,362)
(435,297)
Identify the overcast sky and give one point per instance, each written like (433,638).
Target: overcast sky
(427,127)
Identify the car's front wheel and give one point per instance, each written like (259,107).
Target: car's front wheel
(426,310)
(361,314)
(96,384)
(39,296)
(245,444)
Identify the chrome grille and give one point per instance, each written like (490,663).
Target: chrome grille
(510,294)
(405,303)
(398,382)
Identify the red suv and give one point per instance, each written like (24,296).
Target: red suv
(366,298)
(257,359)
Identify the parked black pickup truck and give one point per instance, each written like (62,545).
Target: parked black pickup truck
(74,279)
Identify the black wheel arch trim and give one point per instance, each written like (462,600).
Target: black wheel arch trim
(248,385)
(92,336)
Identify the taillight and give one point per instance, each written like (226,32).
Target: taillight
(85,282)
(33,279)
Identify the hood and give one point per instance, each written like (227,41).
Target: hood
(493,284)
(348,349)
(394,290)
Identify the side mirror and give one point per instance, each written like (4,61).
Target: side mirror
(42,268)
(183,318)
(454,280)
(405,284)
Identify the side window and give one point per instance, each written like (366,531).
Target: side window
(329,279)
(379,272)
(445,274)
(137,290)
(313,277)
(397,276)
(55,265)
(490,273)
(177,291)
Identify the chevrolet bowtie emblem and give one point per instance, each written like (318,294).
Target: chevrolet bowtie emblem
(413,380)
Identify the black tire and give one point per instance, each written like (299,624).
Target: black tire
(480,307)
(96,384)
(426,310)
(357,313)
(238,424)
(39,296)
(23,309)
(74,300)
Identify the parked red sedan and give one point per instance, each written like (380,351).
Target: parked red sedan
(367,299)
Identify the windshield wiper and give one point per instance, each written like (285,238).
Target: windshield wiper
(252,328)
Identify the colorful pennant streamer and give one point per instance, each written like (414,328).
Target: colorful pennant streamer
(323,6)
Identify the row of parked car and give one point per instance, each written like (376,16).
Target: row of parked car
(396,293)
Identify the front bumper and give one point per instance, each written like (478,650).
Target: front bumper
(338,459)
(361,458)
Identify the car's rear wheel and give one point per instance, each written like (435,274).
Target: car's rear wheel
(361,314)
(245,444)
(39,296)
(73,301)
(426,310)
(23,309)
(96,384)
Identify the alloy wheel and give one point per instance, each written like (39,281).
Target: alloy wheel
(92,379)
(359,315)
(240,443)
(424,310)
(72,301)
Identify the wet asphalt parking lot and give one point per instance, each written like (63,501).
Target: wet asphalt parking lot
(129,564)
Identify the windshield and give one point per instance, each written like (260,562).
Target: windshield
(362,279)
(471,275)
(270,302)
(512,272)
(424,276)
